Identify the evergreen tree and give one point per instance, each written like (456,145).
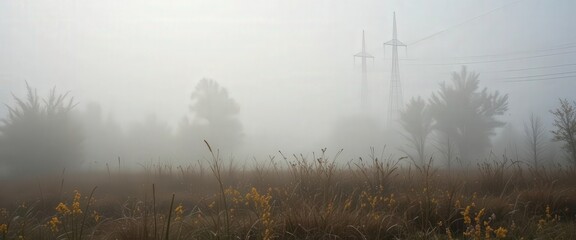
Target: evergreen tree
(40,135)
(466,116)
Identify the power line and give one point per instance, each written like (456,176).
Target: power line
(462,23)
(516,69)
(520,52)
(559,47)
(540,79)
(492,61)
(541,75)
(533,68)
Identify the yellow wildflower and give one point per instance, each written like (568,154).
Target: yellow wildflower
(179,211)
(76,208)
(501,232)
(62,208)
(54,222)
(489,231)
(479,216)
(76,203)
(77,196)
(477,231)
(3,228)
(457,204)
(96,216)
(262,204)
(466,215)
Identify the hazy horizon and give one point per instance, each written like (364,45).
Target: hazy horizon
(288,64)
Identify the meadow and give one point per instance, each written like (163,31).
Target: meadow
(296,197)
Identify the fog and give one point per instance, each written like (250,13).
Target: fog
(285,70)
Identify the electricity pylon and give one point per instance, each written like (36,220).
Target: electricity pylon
(364,87)
(395,102)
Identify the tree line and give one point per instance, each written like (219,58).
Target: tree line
(44,135)
(459,119)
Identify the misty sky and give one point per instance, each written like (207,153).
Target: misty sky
(288,64)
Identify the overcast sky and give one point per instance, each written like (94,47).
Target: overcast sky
(288,64)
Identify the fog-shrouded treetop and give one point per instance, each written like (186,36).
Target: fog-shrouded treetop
(215,117)
(565,127)
(39,135)
(417,123)
(211,102)
(466,115)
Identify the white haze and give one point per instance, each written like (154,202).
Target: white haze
(288,64)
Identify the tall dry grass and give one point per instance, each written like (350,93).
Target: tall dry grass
(297,197)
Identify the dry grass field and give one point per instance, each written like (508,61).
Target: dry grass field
(295,198)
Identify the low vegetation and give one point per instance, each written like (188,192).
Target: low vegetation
(297,198)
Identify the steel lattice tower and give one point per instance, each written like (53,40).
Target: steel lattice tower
(364,87)
(395,102)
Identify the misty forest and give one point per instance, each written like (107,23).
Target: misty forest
(257,120)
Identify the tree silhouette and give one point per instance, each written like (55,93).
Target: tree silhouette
(565,124)
(104,138)
(39,135)
(215,115)
(417,122)
(466,116)
(535,139)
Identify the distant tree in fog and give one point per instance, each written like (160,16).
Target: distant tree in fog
(40,135)
(215,115)
(104,137)
(535,139)
(151,139)
(465,115)
(565,127)
(417,122)
(509,142)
